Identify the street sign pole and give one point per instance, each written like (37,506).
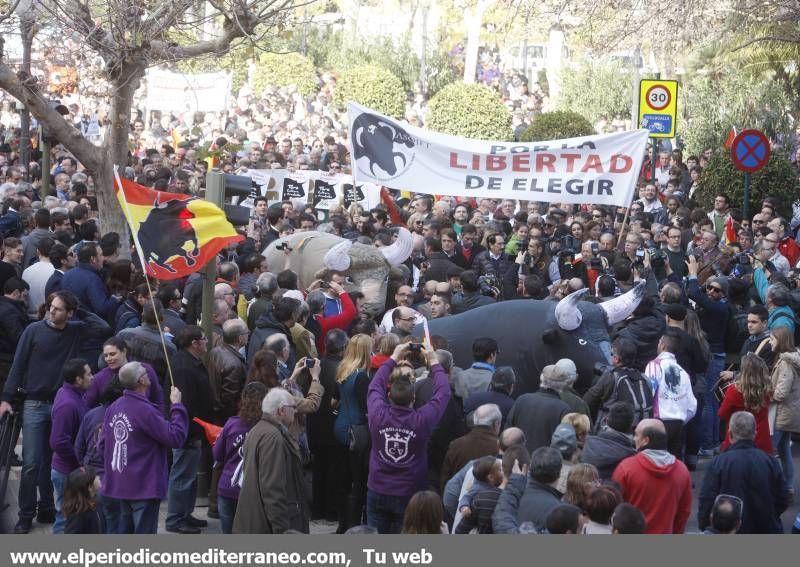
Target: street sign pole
(746,196)
(653,160)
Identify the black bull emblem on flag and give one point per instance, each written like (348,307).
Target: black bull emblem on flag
(165,232)
(375,139)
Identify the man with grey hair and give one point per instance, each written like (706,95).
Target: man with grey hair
(266,286)
(568,395)
(279,344)
(500,389)
(479,442)
(776,297)
(134,440)
(531,499)
(538,414)
(736,472)
(273,497)
(227,369)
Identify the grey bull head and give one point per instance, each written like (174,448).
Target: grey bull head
(366,266)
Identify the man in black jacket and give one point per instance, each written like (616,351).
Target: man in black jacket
(439,265)
(613,443)
(321,441)
(13,320)
(471,297)
(280,320)
(496,261)
(191,378)
(749,474)
(538,414)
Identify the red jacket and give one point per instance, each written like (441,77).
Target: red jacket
(340,321)
(663,492)
(791,251)
(733,402)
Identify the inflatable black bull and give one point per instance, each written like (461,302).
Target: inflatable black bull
(532,334)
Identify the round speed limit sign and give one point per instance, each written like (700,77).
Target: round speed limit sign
(658,97)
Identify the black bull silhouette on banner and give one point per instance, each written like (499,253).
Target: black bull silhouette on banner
(165,232)
(375,139)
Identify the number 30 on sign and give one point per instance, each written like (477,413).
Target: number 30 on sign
(658,102)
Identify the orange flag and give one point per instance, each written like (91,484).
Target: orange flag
(212,431)
(730,232)
(730,138)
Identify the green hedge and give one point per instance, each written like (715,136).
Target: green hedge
(469,110)
(777,179)
(373,87)
(284,69)
(557,125)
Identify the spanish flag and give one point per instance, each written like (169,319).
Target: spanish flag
(730,231)
(175,234)
(211,431)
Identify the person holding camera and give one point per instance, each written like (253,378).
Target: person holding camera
(398,462)
(496,261)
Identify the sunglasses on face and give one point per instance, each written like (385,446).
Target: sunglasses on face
(713,288)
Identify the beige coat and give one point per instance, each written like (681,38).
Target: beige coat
(786,386)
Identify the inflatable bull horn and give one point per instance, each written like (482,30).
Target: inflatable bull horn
(568,316)
(620,308)
(339,257)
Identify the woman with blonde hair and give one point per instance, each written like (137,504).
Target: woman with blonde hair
(751,391)
(350,429)
(786,387)
(582,479)
(582,424)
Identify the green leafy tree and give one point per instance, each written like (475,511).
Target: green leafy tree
(596,91)
(373,87)
(284,69)
(777,179)
(473,111)
(557,125)
(714,103)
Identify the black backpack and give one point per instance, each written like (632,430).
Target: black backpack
(736,330)
(630,387)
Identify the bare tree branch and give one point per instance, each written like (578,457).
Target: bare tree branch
(767,38)
(65,132)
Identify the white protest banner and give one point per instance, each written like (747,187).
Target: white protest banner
(177,92)
(594,169)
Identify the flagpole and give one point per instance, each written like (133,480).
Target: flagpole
(134,233)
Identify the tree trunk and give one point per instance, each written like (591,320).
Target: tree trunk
(474,25)
(115,153)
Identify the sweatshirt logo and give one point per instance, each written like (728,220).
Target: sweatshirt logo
(121,426)
(395,444)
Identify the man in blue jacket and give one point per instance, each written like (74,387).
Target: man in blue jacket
(35,377)
(85,282)
(750,474)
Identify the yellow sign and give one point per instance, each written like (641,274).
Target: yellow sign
(658,104)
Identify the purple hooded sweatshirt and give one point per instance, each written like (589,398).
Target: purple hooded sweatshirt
(398,460)
(228,451)
(67,414)
(103,377)
(134,442)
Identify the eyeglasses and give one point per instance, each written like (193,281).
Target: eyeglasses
(291,406)
(713,288)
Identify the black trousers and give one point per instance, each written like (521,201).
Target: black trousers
(675,437)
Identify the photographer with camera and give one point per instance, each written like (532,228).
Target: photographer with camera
(534,261)
(619,382)
(496,261)
(472,295)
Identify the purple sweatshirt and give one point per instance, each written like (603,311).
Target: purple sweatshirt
(228,451)
(103,377)
(398,460)
(67,414)
(88,437)
(134,441)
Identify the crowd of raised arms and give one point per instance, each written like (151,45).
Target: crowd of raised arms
(336,412)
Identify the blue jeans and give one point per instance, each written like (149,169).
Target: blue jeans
(710,420)
(385,513)
(227,510)
(782,440)
(138,516)
(59,483)
(111,513)
(36,457)
(182,485)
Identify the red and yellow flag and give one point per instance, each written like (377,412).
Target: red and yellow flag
(211,431)
(730,231)
(175,234)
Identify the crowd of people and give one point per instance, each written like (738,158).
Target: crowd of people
(329,412)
